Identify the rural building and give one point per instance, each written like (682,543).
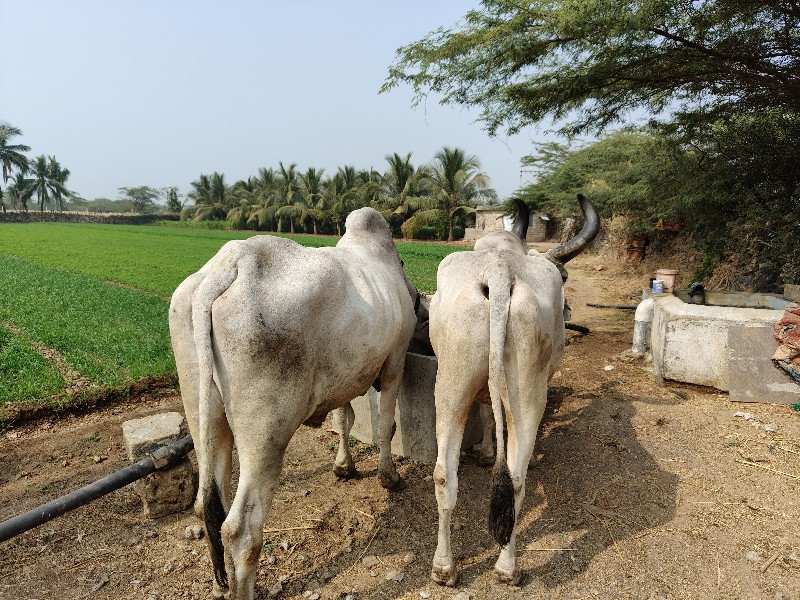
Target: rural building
(490,218)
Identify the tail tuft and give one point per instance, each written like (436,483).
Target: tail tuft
(214,515)
(501,507)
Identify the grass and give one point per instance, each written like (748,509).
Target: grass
(54,287)
(24,374)
(157,259)
(109,334)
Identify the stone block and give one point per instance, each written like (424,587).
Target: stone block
(415,413)
(166,491)
(753,377)
(689,342)
(792,292)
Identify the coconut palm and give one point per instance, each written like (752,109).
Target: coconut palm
(42,182)
(58,182)
(404,186)
(209,195)
(287,196)
(311,188)
(340,199)
(457,184)
(11,155)
(244,198)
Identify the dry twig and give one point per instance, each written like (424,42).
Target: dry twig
(752,464)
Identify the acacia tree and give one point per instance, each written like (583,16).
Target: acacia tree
(522,61)
(142,197)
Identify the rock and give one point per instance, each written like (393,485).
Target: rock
(275,589)
(271,560)
(462,596)
(98,459)
(101,582)
(409,558)
(167,568)
(369,561)
(166,491)
(304,492)
(753,556)
(284,545)
(193,532)
(425,594)
(394,576)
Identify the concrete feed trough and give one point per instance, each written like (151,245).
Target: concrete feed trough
(415,414)
(692,342)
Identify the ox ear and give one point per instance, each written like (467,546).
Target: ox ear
(520,227)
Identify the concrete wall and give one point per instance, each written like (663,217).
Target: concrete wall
(415,413)
(690,342)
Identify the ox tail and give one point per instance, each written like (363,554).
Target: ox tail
(501,507)
(212,287)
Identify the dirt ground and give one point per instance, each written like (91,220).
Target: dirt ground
(638,492)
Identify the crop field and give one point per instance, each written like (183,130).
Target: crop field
(89,303)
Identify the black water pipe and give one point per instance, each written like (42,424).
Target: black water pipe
(576,327)
(617,306)
(161,458)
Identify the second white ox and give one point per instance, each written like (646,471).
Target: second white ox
(496,321)
(269,335)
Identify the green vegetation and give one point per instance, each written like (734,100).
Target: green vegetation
(108,334)
(24,374)
(96,295)
(721,81)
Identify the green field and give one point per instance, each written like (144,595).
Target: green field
(97,295)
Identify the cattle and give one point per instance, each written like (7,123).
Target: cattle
(497,327)
(267,336)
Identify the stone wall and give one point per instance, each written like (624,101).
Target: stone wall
(34,216)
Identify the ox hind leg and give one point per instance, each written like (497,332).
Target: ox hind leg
(214,465)
(454,395)
(344,466)
(262,429)
(523,423)
(487,454)
(391,378)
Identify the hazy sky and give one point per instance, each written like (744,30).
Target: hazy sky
(157,92)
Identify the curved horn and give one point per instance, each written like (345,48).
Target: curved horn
(520,227)
(591,225)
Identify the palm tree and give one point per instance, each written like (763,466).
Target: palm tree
(209,195)
(43,183)
(20,191)
(339,198)
(404,186)
(11,155)
(311,189)
(287,196)
(457,184)
(58,180)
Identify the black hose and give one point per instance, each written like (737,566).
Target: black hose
(161,458)
(575,327)
(617,306)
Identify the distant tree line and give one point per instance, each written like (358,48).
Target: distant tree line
(428,200)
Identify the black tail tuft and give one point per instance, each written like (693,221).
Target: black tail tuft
(501,508)
(214,516)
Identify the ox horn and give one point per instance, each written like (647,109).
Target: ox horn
(520,227)
(591,225)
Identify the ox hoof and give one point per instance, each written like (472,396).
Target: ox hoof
(445,575)
(485,461)
(218,592)
(345,472)
(393,484)
(511,578)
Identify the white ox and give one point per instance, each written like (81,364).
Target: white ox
(496,321)
(267,336)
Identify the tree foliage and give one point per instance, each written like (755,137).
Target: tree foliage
(590,62)
(142,198)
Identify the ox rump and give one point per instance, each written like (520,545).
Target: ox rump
(267,336)
(416,413)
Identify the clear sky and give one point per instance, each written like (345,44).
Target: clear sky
(155,93)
